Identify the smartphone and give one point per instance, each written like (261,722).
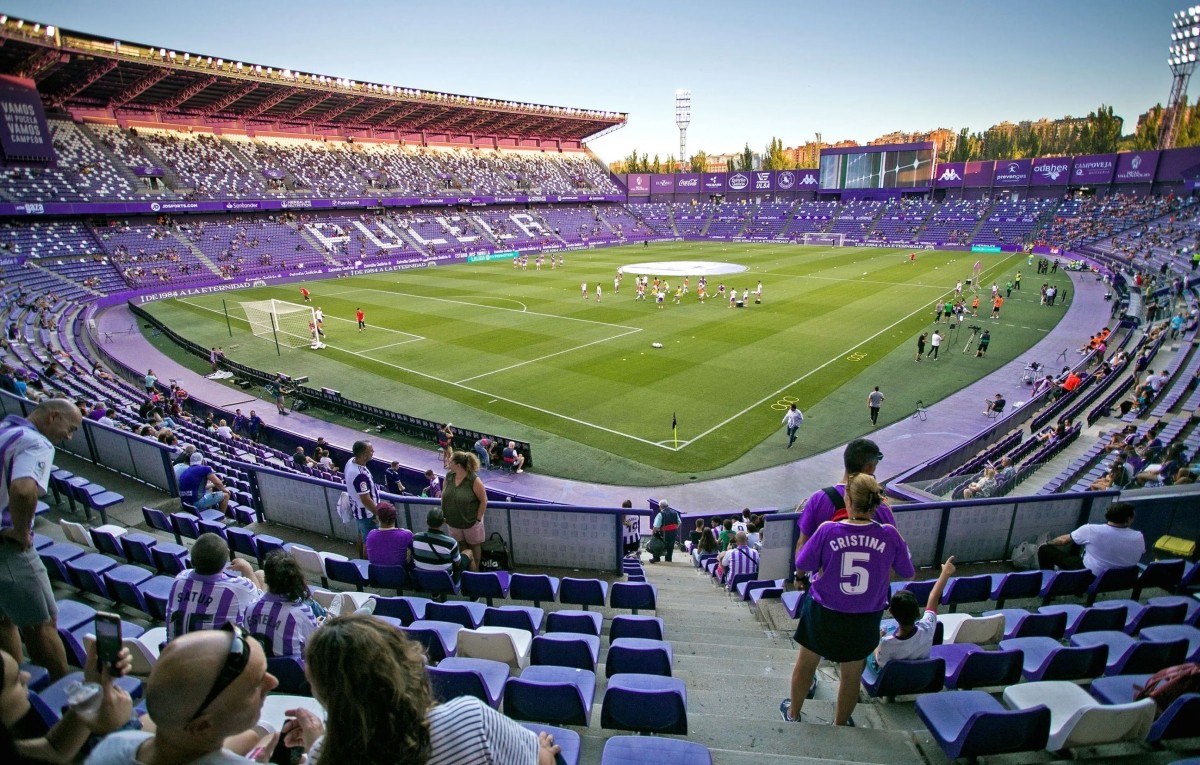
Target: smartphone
(108,639)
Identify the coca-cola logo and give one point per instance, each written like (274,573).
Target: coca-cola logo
(688,183)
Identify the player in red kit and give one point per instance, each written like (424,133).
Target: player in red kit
(360,317)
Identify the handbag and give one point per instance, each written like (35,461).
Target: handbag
(656,546)
(494,553)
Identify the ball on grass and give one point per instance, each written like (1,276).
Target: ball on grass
(656,345)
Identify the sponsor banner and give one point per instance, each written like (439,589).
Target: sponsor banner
(1051,171)
(739,181)
(808,179)
(220,206)
(12,260)
(712,182)
(23,130)
(148,172)
(1176,165)
(484,257)
(638,184)
(273,174)
(1012,172)
(1093,169)
(1136,167)
(762,180)
(662,183)
(979,173)
(687,183)
(948,174)
(985,248)
(785,180)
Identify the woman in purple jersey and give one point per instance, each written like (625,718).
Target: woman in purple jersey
(839,620)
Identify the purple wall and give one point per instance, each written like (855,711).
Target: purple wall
(638,184)
(662,183)
(712,183)
(1012,172)
(1136,167)
(1051,171)
(687,183)
(1093,170)
(979,173)
(948,174)
(1178,165)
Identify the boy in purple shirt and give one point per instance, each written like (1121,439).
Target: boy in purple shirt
(839,620)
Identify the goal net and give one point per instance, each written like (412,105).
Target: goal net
(824,240)
(271,319)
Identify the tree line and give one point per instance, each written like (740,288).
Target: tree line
(1100,132)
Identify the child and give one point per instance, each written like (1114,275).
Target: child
(912,638)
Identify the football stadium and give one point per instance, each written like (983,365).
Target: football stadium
(889,458)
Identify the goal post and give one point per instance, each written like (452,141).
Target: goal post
(288,324)
(823,240)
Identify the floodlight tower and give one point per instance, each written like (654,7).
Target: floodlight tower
(1185,41)
(683,118)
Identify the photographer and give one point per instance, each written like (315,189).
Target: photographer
(278,392)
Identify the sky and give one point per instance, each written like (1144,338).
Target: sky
(757,69)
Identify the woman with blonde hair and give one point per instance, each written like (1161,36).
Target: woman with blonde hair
(464,503)
(380,710)
(839,619)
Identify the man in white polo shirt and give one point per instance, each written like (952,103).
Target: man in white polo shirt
(1112,544)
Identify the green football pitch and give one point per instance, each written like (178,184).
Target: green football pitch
(522,354)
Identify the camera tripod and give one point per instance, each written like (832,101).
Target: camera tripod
(975,328)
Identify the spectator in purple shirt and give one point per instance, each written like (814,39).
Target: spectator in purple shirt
(281,617)
(388,545)
(861,455)
(210,594)
(839,620)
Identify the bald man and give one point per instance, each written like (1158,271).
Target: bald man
(27,608)
(204,695)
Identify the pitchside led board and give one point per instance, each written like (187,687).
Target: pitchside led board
(24,134)
(894,166)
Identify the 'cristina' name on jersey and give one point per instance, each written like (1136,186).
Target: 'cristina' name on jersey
(858,540)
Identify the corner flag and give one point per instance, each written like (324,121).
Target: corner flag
(675,428)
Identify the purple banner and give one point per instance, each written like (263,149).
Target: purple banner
(948,174)
(762,180)
(1176,165)
(739,181)
(662,184)
(1012,172)
(687,183)
(238,205)
(808,179)
(12,260)
(785,180)
(638,184)
(371,174)
(1093,170)
(1051,171)
(148,172)
(24,134)
(273,174)
(979,173)
(713,182)
(1136,167)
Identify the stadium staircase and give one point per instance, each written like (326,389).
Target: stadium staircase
(783,232)
(191,246)
(983,219)
(866,235)
(247,162)
(117,162)
(170,177)
(712,215)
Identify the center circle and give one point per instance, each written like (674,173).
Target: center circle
(685,268)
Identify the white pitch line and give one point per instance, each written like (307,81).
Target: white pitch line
(548,356)
(393,345)
(811,372)
(498,308)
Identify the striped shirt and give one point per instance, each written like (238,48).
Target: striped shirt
(466,730)
(207,601)
(284,624)
(434,551)
(359,482)
(24,453)
(740,560)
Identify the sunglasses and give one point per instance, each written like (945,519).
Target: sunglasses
(235,664)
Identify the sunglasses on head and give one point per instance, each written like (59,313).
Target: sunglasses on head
(235,664)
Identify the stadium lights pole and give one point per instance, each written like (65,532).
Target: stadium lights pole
(1185,39)
(683,118)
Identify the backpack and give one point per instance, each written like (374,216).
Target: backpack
(839,503)
(1169,684)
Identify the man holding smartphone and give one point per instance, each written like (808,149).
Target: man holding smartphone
(27,608)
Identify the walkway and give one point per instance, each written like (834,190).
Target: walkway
(905,444)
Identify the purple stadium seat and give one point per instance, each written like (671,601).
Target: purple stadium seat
(549,694)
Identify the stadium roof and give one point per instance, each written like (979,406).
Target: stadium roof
(75,70)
